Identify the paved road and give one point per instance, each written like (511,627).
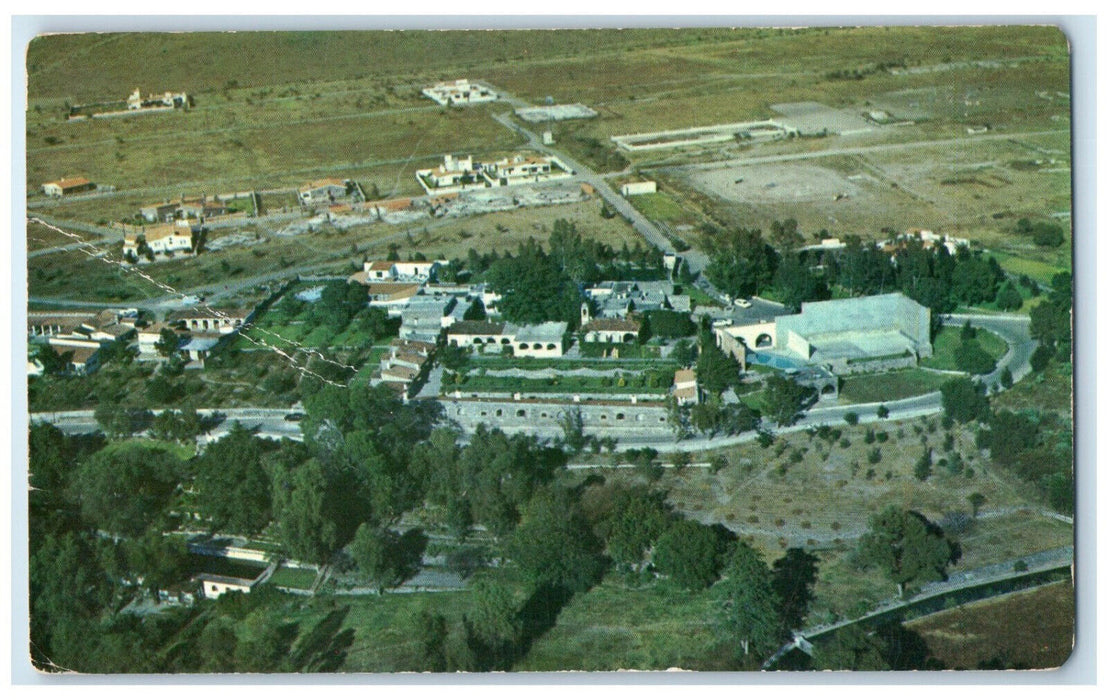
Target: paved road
(640,223)
(1015,330)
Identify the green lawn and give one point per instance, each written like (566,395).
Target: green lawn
(949,340)
(613,627)
(889,386)
(1037,270)
(293,578)
(661,206)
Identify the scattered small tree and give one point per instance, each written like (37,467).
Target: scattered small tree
(976,500)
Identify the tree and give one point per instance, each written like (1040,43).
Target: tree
(53,362)
(784,399)
(852,648)
(572,423)
(715,369)
(476,311)
(493,626)
(118,421)
(233,487)
(748,604)
(906,547)
(968,332)
(794,576)
(851,418)
(1008,297)
(387,559)
(684,353)
(976,500)
(453,357)
(1041,357)
(160,561)
(970,357)
(690,554)
(168,342)
(796,283)
(637,517)
(301,508)
(1006,379)
(964,400)
(882,411)
(554,544)
(740,263)
(923,465)
(126,489)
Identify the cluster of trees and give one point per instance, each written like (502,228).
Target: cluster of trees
(584,259)
(1046,234)
(535,287)
(742,263)
(99,510)
(97,513)
(1052,323)
(339,303)
(1035,445)
(539,286)
(757,605)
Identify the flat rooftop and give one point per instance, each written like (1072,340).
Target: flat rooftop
(555,113)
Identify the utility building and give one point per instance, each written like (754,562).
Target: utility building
(862,334)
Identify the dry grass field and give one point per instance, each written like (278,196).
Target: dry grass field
(276,109)
(998,633)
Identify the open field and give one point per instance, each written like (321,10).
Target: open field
(1050,390)
(998,633)
(614,626)
(972,191)
(888,386)
(660,206)
(259,151)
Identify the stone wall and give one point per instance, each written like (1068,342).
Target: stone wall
(618,419)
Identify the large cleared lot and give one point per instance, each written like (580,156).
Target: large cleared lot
(778,183)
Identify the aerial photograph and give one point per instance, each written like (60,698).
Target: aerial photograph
(709,348)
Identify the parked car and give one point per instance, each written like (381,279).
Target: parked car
(742,303)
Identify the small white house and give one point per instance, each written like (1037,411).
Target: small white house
(459,92)
(634,188)
(162,240)
(67,185)
(214,586)
(685,388)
